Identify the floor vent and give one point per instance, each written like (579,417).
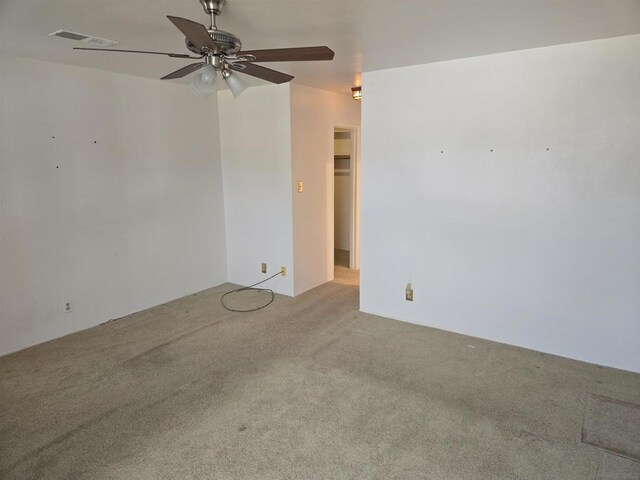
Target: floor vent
(87,39)
(613,426)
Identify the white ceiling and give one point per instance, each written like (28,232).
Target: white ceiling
(365,34)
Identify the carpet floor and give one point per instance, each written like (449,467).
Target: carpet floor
(308,388)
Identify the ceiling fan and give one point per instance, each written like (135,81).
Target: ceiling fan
(222,52)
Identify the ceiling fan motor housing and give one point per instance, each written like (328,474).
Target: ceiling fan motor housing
(226,43)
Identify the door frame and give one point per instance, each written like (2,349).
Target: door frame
(354,211)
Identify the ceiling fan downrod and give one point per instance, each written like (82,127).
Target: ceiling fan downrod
(213,8)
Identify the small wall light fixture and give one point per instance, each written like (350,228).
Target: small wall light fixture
(356,93)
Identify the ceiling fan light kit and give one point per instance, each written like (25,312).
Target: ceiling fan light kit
(234,82)
(221,53)
(203,82)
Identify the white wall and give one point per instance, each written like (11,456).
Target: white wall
(116,226)
(314,113)
(255,132)
(523,245)
(271,137)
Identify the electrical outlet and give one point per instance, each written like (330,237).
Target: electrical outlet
(408,294)
(283,270)
(68,307)
(264,267)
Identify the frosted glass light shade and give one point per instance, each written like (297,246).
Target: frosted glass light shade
(203,82)
(235,84)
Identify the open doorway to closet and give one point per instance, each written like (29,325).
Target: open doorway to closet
(345,204)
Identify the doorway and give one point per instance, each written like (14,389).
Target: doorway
(345,205)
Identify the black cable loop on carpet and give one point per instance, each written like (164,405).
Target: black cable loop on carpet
(251,287)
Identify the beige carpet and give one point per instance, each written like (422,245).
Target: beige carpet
(346,276)
(306,389)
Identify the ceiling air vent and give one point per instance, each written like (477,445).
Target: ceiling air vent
(87,39)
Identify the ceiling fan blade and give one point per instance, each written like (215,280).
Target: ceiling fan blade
(184,71)
(264,73)
(195,32)
(174,55)
(290,54)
